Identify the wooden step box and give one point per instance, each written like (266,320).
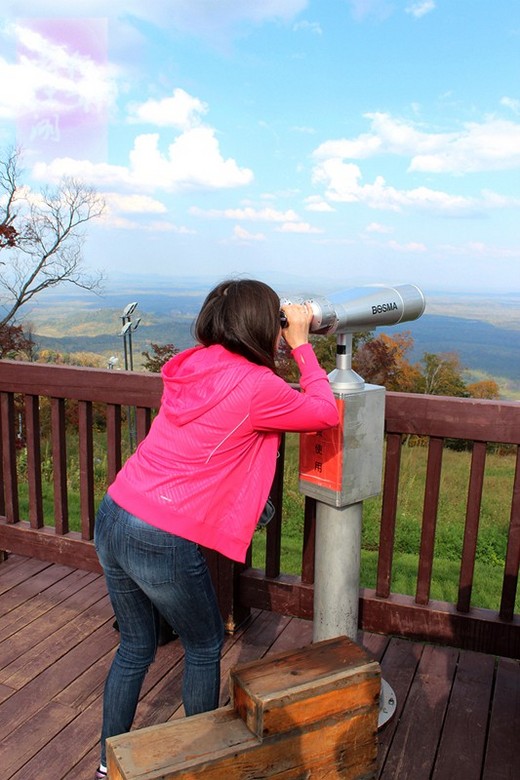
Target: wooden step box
(308,713)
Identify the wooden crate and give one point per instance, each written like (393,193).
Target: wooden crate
(310,713)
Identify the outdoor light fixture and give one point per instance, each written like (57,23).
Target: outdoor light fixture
(129,325)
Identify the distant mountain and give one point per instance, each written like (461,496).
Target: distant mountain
(177,332)
(483,330)
(480,345)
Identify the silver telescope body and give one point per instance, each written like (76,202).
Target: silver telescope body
(362,308)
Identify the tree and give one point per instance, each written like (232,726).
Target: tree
(325,350)
(160,355)
(15,343)
(85,359)
(285,365)
(41,236)
(382,361)
(378,360)
(442,375)
(486,388)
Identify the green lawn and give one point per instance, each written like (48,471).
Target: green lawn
(492,539)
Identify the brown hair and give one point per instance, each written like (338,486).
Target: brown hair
(243,316)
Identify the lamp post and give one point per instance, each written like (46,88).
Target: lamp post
(127,326)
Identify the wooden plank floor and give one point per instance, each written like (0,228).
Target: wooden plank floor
(458,713)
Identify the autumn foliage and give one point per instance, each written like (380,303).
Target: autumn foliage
(158,356)
(8,236)
(384,360)
(15,344)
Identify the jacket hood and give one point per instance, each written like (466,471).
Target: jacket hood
(198,379)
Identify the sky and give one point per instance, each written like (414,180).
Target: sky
(315,144)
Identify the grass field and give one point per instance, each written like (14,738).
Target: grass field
(492,540)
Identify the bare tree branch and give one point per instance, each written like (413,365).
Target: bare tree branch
(41,237)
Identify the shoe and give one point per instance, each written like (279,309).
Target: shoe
(166,633)
(101,774)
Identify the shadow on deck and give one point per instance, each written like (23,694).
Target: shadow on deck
(458,713)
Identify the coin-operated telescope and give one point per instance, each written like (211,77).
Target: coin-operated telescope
(341,467)
(358,309)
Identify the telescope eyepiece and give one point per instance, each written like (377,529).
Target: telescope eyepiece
(284,322)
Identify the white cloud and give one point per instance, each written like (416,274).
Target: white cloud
(194,16)
(304,130)
(248,214)
(133,212)
(376,227)
(497,201)
(365,145)
(298,227)
(182,230)
(378,9)
(316,203)
(101,175)
(420,8)
(313,27)
(288,221)
(285,194)
(119,222)
(192,160)
(203,16)
(511,103)
(241,234)
(483,250)
(341,179)
(133,204)
(411,246)
(52,78)
(490,145)
(343,184)
(181,110)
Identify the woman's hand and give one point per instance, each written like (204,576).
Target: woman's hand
(299,318)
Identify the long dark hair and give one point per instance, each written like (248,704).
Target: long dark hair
(242,315)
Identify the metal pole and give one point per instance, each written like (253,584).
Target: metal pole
(131,409)
(130,347)
(126,332)
(338,534)
(337,564)
(123,319)
(339,528)
(133,416)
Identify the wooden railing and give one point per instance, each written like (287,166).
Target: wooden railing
(26,387)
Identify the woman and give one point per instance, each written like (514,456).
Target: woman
(201,477)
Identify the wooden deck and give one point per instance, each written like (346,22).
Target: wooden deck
(458,712)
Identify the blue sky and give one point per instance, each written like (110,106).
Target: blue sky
(314,144)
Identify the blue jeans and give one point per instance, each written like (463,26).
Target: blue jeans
(149,571)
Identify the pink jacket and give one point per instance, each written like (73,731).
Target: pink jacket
(205,469)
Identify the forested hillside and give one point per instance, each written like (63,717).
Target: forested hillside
(484,332)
